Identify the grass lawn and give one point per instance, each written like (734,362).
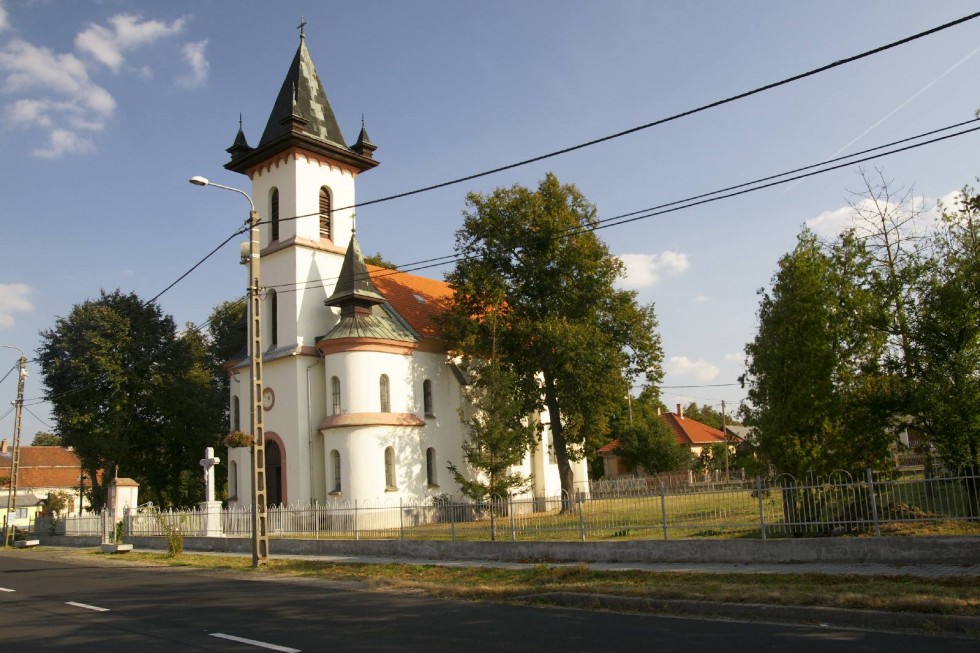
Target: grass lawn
(958,596)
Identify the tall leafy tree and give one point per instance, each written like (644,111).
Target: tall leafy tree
(573,340)
(947,340)
(45,439)
(811,367)
(129,393)
(226,339)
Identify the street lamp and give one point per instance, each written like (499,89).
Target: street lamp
(260,532)
(8,532)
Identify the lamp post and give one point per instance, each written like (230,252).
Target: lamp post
(260,532)
(8,532)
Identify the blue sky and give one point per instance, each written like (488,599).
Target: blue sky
(108,107)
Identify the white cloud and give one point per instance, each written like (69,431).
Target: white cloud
(107,45)
(685,367)
(700,299)
(61,142)
(14,297)
(643,270)
(27,67)
(194,56)
(736,358)
(4,23)
(830,224)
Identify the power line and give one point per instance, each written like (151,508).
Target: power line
(43,423)
(196,265)
(689,202)
(15,366)
(690,112)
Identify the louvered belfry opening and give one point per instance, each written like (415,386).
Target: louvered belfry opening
(324,212)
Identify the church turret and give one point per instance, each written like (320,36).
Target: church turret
(364,146)
(240,146)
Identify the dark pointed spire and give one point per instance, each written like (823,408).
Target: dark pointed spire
(302,96)
(354,292)
(364,146)
(240,146)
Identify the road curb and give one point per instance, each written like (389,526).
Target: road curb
(919,623)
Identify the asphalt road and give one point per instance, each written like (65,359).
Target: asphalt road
(51,605)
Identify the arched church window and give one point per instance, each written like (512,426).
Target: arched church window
(232,479)
(385,394)
(427,398)
(335,468)
(390,469)
(325,207)
(335,395)
(430,467)
(273,319)
(274,214)
(236,414)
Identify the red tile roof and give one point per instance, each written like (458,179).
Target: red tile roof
(42,467)
(417,299)
(687,431)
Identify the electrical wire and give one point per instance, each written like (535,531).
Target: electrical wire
(690,112)
(196,265)
(43,423)
(690,202)
(15,366)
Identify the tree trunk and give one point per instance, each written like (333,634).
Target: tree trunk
(560,444)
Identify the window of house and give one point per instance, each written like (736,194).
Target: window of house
(335,394)
(390,469)
(273,318)
(385,394)
(335,468)
(430,467)
(274,214)
(236,414)
(325,206)
(232,479)
(427,398)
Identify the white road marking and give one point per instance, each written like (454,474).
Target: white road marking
(5,589)
(253,642)
(87,606)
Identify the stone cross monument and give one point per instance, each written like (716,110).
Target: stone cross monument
(211,523)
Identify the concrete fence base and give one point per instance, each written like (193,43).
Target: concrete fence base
(894,550)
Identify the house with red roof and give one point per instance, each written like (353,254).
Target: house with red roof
(688,432)
(361,399)
(41,471)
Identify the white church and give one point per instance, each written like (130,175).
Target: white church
(361,399)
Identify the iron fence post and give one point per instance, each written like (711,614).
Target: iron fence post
(663,508)
(513,524)
(356,533)
(452,519)
(401,520)
(874,502)
(581,516)
(762,511)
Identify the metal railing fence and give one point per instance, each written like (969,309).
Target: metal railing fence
(782,507)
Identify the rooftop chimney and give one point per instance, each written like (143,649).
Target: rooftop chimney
(3,446)
(680,411)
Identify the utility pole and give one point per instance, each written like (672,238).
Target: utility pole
(8,530)
(250,257)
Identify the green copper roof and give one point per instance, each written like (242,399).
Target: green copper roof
(302,97)
(378,325)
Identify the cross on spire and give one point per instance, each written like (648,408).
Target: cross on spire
(301,27)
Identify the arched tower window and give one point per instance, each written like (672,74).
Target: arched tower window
(430,467)
(273,319)
(274,214)
(335,395)
(232,479)
(385,394)
(325,217)
(427,398)
(390,469)
(236,414)
(335,468)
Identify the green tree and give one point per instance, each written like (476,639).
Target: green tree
(572,339)
(811,369)
(498,434)
(380,261)
(226,340)
(652,447)
(45,439)
(946,337)
(705,414)
(127,391)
